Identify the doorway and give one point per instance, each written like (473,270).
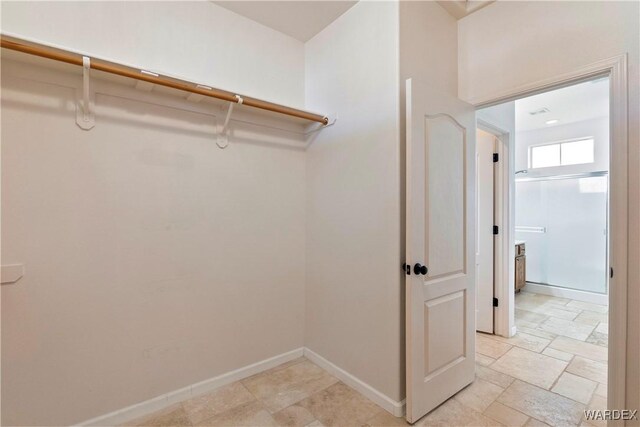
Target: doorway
(560,163)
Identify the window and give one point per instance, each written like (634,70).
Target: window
(544,156)
(562,154)
(576,152)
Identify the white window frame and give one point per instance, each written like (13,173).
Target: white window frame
(559,143)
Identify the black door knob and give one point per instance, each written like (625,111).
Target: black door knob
(420,269)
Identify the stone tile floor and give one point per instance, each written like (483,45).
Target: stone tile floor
(553,369)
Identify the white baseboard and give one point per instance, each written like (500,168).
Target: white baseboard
(567,293)
(157,403)
(384,401)
(163,401)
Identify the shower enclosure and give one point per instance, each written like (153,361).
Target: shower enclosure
(563,220)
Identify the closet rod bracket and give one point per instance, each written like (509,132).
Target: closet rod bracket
(331,119)
(85,116)
(223,136)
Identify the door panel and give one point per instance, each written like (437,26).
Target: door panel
(485,147)
(440,305)
(443,346)
(444,140)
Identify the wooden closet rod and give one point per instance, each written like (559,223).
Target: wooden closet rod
(20,45)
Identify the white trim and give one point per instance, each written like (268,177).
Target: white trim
(163,401)
(616,68)
(567,79)
(394,407)
(575,294)
(619,232)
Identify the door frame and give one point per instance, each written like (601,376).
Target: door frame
(503,214)
(616,69)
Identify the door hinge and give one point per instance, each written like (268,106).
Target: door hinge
(496,157)
(611,272)
(496,229)
(495,302)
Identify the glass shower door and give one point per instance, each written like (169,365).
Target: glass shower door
(563,220)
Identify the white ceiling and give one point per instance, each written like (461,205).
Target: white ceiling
(303,19)
(299,19)
(461,8)
(584,101)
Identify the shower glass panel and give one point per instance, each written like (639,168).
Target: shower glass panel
(563,220)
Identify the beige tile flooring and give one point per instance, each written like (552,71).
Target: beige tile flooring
(553,369)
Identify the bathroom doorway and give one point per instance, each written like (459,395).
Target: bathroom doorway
(555,151)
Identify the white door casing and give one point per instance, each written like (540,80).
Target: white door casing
(440,234)
(619,228)
(485,147)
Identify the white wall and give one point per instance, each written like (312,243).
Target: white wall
(148,267)
(427,32)
(353,296)
(596,128)
(196,40)
(496,53)
(510,44)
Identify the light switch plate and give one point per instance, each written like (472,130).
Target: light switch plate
(12,273)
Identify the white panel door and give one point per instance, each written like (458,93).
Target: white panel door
(485,147)
(440,239)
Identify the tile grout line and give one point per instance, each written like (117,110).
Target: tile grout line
(496,398)
(504,404)
(558,377)
(255,398)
